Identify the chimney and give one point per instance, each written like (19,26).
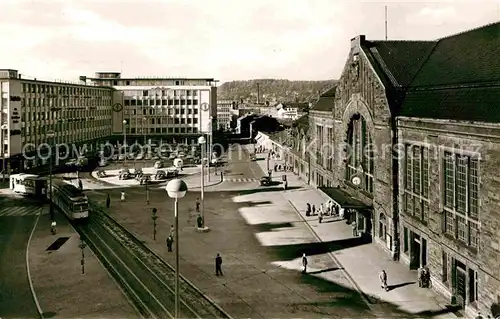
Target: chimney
(357,42)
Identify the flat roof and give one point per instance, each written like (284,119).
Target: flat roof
(151,78)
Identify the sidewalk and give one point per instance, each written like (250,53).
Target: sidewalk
(363,263)
(61,288)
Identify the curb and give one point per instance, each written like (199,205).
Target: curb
(28,271)
(364,296)
(166,263)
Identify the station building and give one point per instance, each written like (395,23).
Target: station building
(416,140)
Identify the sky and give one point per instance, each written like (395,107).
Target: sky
(222,39)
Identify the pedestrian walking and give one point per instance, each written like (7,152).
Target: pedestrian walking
(383,280)
(354,229)
(122,196)
(314,209)
(53,226)
(218,265)
(170,240)
(80,184)
(108,201)
(304,263)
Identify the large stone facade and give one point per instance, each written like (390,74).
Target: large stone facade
(321,147)
(362,94)
(444,250)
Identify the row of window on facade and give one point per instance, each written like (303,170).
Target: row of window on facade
(65,126)
(163,120)
(64,114)
(165,93)
(64,90)
(162,130)
(150,82)
(74,136)
(158,102)
(460,195)
(66,102)
(161,111)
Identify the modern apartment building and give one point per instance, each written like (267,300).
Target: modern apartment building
(224,114)
(35,113)
(162,108)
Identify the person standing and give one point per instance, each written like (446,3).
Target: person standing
(314,209)
(383,280)
(80,184)
(218,265)
(304,263)
(122,196)
(170,240)
(354,229)
(53,226)
(108,201)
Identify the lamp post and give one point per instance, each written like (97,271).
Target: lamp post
(50,135)
(209,150)
(147,192)
(125,140)
(202,141)
(176,189)
(82,246)
(154,218)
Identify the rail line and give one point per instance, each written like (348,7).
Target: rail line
(146,278)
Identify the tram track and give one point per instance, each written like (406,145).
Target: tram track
(146,278)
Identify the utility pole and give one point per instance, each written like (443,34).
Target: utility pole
(154,218)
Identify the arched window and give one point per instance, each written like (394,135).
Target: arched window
(360,161)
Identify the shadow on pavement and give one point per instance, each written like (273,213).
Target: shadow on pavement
(323,270)
(293,251)
(266,189)
(271,226)
(392,287)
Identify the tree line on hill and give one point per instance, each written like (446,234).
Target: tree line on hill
(273,90)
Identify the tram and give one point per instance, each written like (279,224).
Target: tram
(70,200)
(27,184)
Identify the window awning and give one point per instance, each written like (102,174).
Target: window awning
(343,199)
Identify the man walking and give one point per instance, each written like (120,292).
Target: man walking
(170,240)
(218,265)
(383,280)
(304,263)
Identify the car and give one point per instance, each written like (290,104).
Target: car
(124,175)
(145,179)
(158,164)
(160,174)
(122,157)
(265,181)
(140,156)
(172,172)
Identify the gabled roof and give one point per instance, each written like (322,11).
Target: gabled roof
(399,61)
(326,101)
(456,77)
(468,57)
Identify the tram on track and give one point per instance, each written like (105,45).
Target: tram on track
(28,184)
(70,200)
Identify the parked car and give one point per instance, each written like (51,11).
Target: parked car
(124,175)
(158,164)
(160,174)
(144,179)
(265,181)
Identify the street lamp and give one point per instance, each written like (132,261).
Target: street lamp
(154,218)
(202,141)
(210,141)
(82,246)
(125,140)
(176,189)
(50,135)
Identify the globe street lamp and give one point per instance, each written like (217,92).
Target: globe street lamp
(176,189)
(210,141)
(202,141)
(125,140)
